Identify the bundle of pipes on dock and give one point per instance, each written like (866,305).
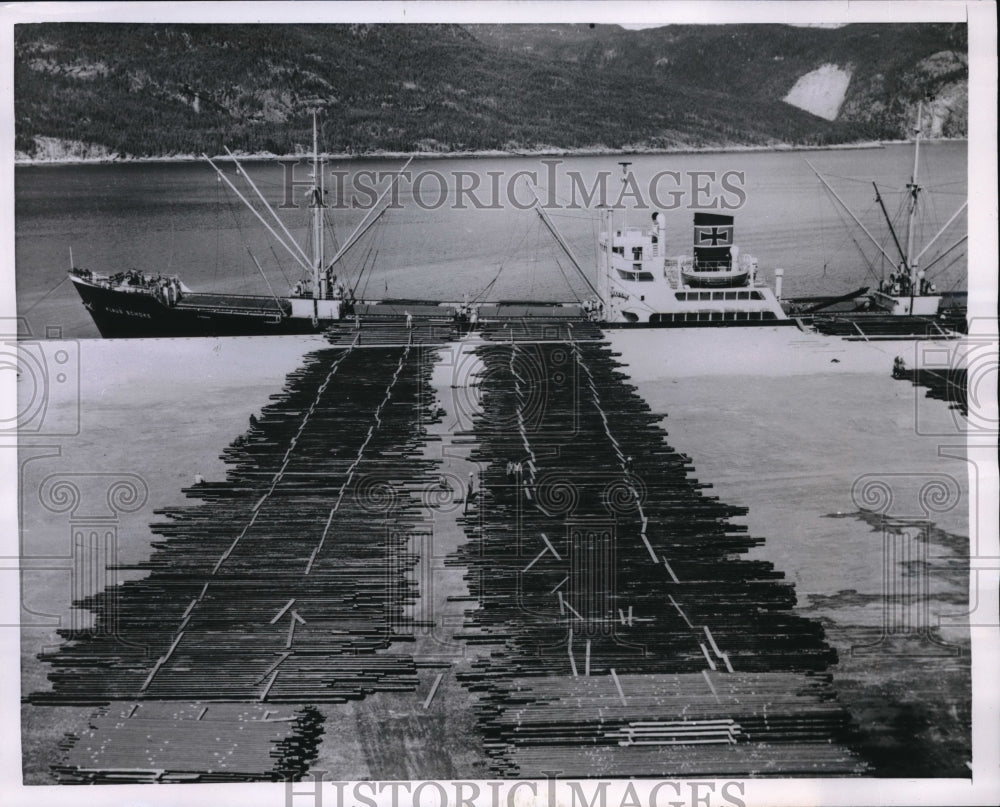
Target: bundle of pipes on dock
(612,589)
(601,573)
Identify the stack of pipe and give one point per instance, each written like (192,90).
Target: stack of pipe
(949,385)
(290,579)
(594,553)
(167,743)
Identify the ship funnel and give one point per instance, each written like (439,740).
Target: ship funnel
(779,275)
(713,238)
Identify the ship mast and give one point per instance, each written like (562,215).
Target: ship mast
(892,230)
(908,261)
(914,191)
(624,166)
(317,194)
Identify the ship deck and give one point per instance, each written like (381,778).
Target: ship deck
(231,302)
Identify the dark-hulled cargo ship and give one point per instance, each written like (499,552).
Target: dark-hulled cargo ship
(139,304)
(133,305)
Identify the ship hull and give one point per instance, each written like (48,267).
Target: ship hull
(124,314)
(874,325)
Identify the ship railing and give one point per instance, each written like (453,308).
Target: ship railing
(712,266)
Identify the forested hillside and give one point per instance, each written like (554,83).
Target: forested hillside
(892,67)
(145,90)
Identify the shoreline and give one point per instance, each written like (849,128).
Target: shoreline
(20,159)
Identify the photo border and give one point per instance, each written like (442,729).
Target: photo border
(981,18)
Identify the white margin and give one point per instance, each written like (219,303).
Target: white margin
(981,16)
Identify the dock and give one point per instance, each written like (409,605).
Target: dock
(556,569)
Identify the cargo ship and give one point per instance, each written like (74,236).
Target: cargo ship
(906,302)
(136,303)
(641,284)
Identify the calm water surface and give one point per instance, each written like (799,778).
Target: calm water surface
(180,219)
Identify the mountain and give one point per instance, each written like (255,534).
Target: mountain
(890,67)
(143,90)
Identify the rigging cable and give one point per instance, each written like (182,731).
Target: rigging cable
(543,214)
(533,269)
(958,279)
(942,254)
(56,286)
(364,266)
(219,207)
(845,229)
(568,284)
(280,267)
(375,245)
(363,290)
(511,251)
(268,282)
(850,234)
(328,224)
(594,226)
(489,286)
(236,221)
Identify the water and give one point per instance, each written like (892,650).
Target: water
(178,218)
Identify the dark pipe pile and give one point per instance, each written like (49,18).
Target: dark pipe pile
(606,578)
(166,743)
(284,584)
(948,385)
(864,325)
(618,627)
